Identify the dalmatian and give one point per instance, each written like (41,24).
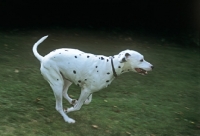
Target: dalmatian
(62,67)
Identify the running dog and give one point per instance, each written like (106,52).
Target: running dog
(62,67)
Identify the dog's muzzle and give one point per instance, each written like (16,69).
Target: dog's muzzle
(142,71)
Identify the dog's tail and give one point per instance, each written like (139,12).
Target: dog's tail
(37,55)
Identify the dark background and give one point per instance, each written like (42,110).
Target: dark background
(158,16)
(176,14)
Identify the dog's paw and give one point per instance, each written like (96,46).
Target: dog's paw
(74,101)
(87,101)
(68,110)
(70,120)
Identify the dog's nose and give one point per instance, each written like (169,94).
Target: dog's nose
(152,67)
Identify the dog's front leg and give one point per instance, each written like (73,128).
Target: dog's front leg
(88,100)
(84,95)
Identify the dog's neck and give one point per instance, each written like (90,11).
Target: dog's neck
(120,67)
(113,69)
(117,66)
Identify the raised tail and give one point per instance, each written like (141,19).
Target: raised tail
(37,55)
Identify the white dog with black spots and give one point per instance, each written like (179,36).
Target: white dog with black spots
(90,72)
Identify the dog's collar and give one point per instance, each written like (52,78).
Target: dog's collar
(113,69)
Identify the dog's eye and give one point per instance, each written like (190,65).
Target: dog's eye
(141,60)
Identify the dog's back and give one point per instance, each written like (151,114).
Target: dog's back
(80,67)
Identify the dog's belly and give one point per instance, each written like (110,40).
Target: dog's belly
(83,69)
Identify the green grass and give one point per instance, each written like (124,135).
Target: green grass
(163,103)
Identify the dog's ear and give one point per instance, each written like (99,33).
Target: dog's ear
(125,57)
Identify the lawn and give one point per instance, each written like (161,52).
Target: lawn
(163,103)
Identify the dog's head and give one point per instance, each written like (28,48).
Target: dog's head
(134,61)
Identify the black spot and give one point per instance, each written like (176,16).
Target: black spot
(128,69)
(77,84)
(99,58)
(66,50)
(57,79)
(73,101)
(107,60)
(108,73)
(123,60)
(74,72)
(79,81)
(85,79)
(127,54)
(107,81)
(88,56)
(119,67)
(122,71)
(75,56)
(97,71)
(59,53)
(102,58)
(96,66)
(54,57)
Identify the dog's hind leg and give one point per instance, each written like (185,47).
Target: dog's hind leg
(67,83)
(59,107)
(56,82)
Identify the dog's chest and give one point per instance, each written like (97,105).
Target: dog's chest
(84,69)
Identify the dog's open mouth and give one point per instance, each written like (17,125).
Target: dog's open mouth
(141,71)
